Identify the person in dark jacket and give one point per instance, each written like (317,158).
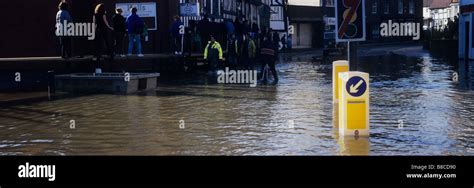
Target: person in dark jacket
(102,32)
(120,29)
(238,29)
(232,50)
(188,38)
(230,28)
(265,31)
(268,57)
(203,30)
(276,39)
(62,16)
(195,37)
(284,43)
(247,51)
(135,26)
(255,32)
(176,36)
(246,28)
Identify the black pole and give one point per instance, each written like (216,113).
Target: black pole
(51,83)
(353,66)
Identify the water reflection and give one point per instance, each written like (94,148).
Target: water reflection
(465,75)
(437,114)
(354,146)
(335,115)
(349,145)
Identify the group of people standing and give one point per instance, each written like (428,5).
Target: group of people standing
(132,26)
(245,43)
(244,48)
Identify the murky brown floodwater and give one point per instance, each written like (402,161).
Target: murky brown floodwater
(437,114)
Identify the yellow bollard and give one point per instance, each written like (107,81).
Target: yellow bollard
(337,67)
(354,93)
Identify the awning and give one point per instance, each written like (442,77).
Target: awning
(305,13)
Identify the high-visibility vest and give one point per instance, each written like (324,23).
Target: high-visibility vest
(215,46)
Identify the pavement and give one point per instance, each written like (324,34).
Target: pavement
(22,96)
(90,58)
(409,49)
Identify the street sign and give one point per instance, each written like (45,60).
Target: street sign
(189,9)
(354,103)
(356,86)
(350,20)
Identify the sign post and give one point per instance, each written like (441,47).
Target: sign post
(350,22)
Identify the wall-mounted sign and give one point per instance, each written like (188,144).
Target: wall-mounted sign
(330,20)
(189,9)
(147,11)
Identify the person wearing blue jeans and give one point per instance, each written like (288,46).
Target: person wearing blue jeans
(134,39)
(135,26)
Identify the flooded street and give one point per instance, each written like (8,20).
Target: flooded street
(416,109)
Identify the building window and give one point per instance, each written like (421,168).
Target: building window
(386,7)
(374,7)
(411,6)
(400,6)
(329,3)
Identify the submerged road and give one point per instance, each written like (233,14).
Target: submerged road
(416,109)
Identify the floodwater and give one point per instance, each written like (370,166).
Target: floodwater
(417,108)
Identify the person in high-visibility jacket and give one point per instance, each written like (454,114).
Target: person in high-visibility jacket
(213,53)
